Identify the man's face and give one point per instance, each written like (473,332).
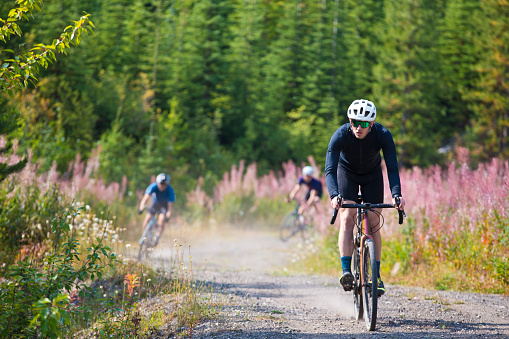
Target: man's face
(162,186)
(358,130)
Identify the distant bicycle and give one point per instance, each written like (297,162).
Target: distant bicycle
(293,223)
(364,269)
(148,239)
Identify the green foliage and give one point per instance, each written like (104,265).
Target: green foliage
(487,96)
(34,298)
(20,67)
(116,150)
(16,71)
(233,80)
(235,209)
(8,124)
(25,216)
(407,80)
(402,249)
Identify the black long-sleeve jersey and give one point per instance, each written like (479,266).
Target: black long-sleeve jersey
(361,156)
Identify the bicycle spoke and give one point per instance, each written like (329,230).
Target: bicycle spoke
(288,226)
(357,291)
(369,280)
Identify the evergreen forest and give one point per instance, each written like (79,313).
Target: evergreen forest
(191,87)
(232,98)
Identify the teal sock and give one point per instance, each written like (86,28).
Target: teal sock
(346,262)
(378,267)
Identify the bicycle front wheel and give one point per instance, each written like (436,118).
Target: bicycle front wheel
(357,290)
(146,240)
(288,226)
(369,284)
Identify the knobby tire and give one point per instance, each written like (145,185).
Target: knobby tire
(370,284)
(288,226)
(357,290)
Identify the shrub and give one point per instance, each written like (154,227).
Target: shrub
(35,294)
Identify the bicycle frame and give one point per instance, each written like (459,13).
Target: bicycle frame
(365,233)
(363,229)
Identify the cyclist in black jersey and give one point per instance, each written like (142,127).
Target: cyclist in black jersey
(353,162)
(314,193)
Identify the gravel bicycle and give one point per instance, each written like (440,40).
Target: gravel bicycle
(364,269)
(148,239)
(293,223)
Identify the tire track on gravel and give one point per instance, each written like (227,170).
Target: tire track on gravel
(255,299)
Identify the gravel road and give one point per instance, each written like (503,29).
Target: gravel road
(255,297)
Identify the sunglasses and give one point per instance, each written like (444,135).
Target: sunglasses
(357,123)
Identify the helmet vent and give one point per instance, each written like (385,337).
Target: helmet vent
(362,109)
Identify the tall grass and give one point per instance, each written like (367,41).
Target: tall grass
(457,229)
(458,232)
(244,197)
(65,268)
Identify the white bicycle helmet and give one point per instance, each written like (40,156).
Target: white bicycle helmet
(363,110)
(163,178)
(308,170)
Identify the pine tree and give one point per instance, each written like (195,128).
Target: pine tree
(459,31)
(17,71)
(407,79)
(489,130)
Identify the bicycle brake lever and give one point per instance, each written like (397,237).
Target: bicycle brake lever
(401,212)
(334,215)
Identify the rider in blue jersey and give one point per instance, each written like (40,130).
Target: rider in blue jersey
(163,198)
(314,193)
(353,162)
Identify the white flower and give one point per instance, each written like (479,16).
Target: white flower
(127,245)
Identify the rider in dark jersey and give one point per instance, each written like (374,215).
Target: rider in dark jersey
(314,193)
(353,162)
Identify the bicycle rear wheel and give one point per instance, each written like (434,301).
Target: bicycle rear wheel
(369,284)
(357,290)
(288,226)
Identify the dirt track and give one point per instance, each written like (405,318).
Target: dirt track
(255,298)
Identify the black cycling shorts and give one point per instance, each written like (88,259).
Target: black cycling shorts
(318,194)
(157,208)
(371,185)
